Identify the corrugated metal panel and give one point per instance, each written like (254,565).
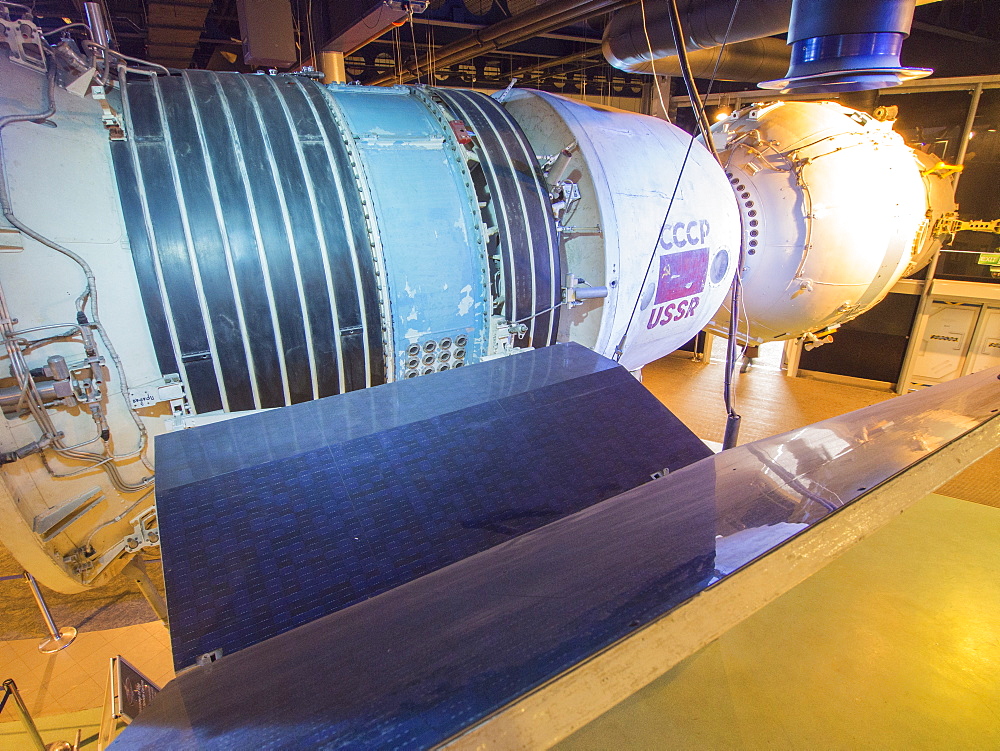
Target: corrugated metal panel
(518,207)
(250,239)
(294,241)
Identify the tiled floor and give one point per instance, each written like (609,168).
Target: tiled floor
(74,678)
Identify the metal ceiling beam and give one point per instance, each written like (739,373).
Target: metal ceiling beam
(942,31)
(920,86)
(596,51)
(408,46)
(552,15)
(459,25)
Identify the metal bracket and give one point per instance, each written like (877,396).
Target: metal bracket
(563,230)
(145,531)
(25,43)
(145,534)
(167,389)
(50,524)
(564,195)
(407,6)
(577,291)
(208,658)
(109,116)
(949,224)
(501,338)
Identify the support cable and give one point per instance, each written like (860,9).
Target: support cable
(696,104)
(682,57)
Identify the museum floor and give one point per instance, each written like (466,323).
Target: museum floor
(894,645)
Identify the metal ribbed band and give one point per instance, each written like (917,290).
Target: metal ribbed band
(861,50)
(249,239)
(519,207)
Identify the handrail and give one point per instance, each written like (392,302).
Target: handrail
(10,689)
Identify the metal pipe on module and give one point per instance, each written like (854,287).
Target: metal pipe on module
(970,119)
(925,293)
(95,20)
(509,31)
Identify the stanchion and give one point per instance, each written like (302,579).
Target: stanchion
(10,690)
(59,638)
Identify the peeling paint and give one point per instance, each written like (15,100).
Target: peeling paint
(412,335)
(466,303)
(410,292)
(413,315)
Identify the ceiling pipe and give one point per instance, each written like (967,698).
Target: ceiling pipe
(750,61)
(545,18)
(576,57)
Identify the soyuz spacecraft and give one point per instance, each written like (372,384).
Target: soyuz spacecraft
(180,247)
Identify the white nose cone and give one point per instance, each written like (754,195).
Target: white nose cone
(653,220)
(833,203)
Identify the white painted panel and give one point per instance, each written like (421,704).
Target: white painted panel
(945,342)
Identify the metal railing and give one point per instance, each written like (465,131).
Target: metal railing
(58,638)
(10,691)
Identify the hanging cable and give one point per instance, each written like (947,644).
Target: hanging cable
(620,347)
(685,65)
(733,419)
(310,32)
(652,62)
(413,38)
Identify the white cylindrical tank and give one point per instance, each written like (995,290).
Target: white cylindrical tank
(833,205)
(647,214)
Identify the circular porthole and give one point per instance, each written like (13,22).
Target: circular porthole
(720,265)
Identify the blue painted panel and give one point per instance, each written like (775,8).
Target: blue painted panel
(426,211)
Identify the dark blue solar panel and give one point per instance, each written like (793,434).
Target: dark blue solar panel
(417,665)
(273,520)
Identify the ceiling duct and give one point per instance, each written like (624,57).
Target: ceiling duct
(705,26)
(843,45)
(753,60)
